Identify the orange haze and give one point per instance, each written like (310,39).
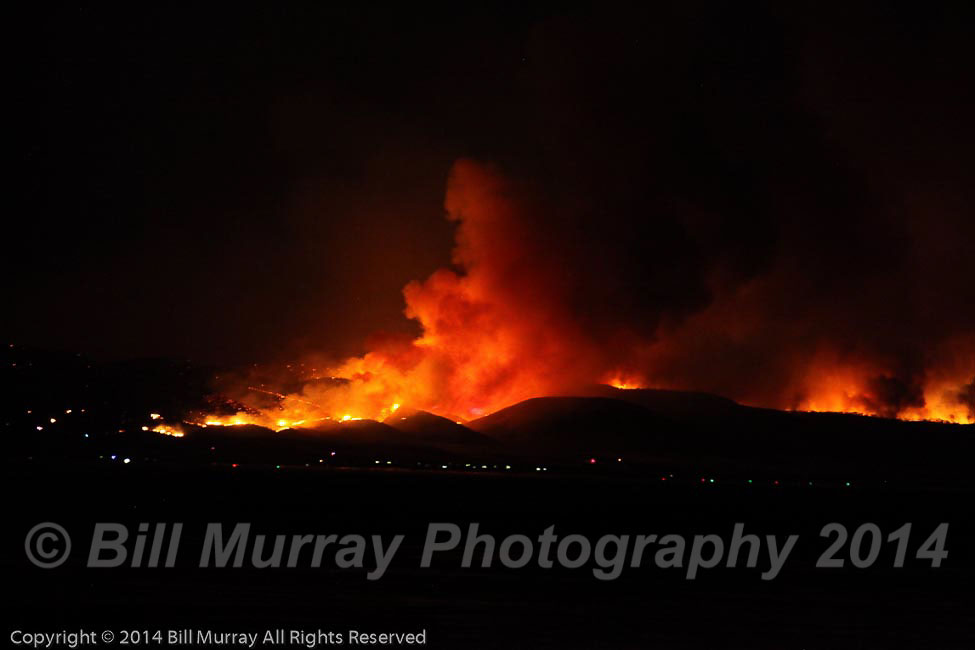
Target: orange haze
(498,329)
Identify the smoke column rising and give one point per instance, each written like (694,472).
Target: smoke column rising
(509,322)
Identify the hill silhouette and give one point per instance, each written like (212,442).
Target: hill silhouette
(564,427)
(429,429)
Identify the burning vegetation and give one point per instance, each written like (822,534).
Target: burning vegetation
(510,320)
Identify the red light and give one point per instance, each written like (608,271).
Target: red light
(776,482)
(234,465)
(663,478)
(592,461)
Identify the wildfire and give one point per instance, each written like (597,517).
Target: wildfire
(945,393)
(624,381)
(502,325)
(169,430)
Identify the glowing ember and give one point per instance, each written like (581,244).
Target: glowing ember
(169,430)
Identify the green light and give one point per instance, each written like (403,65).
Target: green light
(712,480)
(749,480)
(277,467)
(847,484)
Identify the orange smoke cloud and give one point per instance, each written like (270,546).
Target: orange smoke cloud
(494,332)
(518,317)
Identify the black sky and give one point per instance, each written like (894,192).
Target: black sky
(240,185)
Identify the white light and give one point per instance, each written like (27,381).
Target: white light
(127,461)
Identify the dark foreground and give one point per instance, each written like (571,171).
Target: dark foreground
(804,607)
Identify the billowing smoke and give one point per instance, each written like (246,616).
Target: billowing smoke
(757,204)
(504,325)
(538,302)
(966,398)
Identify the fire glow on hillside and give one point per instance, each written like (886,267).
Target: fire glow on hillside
(501,329)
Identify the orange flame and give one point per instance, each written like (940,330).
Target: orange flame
(498,330)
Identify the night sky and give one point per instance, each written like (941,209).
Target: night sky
(238,186)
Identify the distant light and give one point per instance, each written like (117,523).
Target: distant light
(53,420)
(775,482)
(538,469)
(377,462)
(127,461)
(619,460)
(320,460)
(277,467)
(507,466)
(389,462)
(847,484)
(663,478)
(86,435)
(346,418)
(703,480)
(592,461)
(40,428)
(145,428)
(712,480)
(233,464)
(332,454)
(443,467)
(749,480)
(68,412)
(113,456)
(154,416)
